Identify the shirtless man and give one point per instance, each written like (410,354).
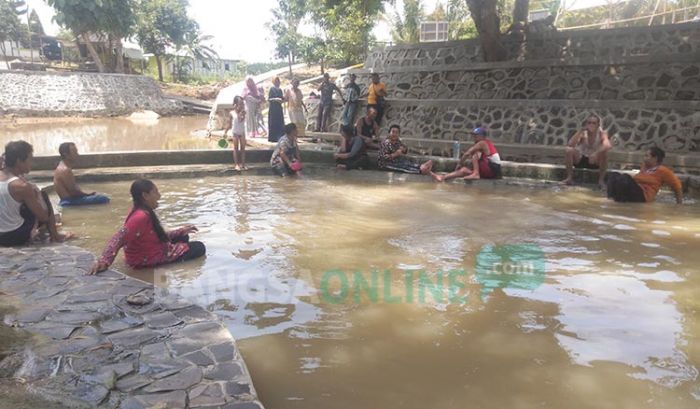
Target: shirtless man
(588,149)
(367,128)
(485,161)
(23,207)
(64,180)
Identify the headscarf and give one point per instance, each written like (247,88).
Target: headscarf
(250,88)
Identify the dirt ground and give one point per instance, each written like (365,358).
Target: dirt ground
(210,91)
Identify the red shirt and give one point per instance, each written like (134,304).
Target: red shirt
(142,247)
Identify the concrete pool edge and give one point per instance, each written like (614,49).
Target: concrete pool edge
(120,166)
(111,340)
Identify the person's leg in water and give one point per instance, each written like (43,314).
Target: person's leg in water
(601,159)
(236,152)
(573,156)
(482,151)
(50,224)
(475,173)
(242,143)
(459,173)
(196,249)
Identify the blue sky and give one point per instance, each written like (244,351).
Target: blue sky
(238,26)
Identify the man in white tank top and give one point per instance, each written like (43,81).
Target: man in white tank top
(23,207)
(588,149)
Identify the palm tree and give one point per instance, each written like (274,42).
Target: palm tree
(197,48)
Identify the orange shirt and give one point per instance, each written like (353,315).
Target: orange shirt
(372,92)
(651,180)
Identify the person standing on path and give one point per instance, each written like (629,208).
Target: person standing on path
(275,114)
(296,107)
(326,104)
(252,98)
(238,133)
(352,97)
(376,97)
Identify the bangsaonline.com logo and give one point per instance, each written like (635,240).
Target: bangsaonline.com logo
(515,266)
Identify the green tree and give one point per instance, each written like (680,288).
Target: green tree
(284,26)
(35,24)
(111,19)
(459,24)
(314,50)
(161,24)
(346,26)
(10,26)
(196,48)
(406,27)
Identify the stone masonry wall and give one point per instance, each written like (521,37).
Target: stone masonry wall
(582,46)
(643,81)
(631,128)
(81,94)
(660,81)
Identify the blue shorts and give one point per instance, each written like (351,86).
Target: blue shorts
(84,200)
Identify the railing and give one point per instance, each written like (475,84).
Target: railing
(650,17)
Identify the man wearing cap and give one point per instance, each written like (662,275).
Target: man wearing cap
(485,161)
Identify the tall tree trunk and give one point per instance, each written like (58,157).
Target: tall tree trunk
(521,11)
(109,54)
(93,53)
(289,59)
(159,63)
(4,54)
(120,56)
(488,24)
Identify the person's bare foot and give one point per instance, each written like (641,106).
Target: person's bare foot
(472,176)
(244,167)
(341,167)
(62,237)
(237,168)
(436,177)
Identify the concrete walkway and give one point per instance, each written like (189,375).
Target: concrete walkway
(111,341)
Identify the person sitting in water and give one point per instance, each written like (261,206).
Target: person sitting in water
(64,180)
(286,158)
(392,154)
(588,149)
(644,186)
(352,153)
(485,161)
(145,242)
(23,207)
(368,129)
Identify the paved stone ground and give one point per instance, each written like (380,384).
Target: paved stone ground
(106,341)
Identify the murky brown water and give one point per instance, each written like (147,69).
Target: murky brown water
(615,323)
(111,134)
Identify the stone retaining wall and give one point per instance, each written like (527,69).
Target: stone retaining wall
(581,46)
(643,81)
(542,122)
(80,94)
(657,81)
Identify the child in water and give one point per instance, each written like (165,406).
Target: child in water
(238,132)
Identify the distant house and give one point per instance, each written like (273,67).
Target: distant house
(219,69)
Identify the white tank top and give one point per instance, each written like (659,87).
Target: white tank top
(10,218)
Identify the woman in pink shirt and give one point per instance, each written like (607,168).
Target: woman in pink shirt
(145,242)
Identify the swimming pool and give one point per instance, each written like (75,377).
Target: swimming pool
(613,322)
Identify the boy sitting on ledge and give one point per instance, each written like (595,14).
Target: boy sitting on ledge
(64,180)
